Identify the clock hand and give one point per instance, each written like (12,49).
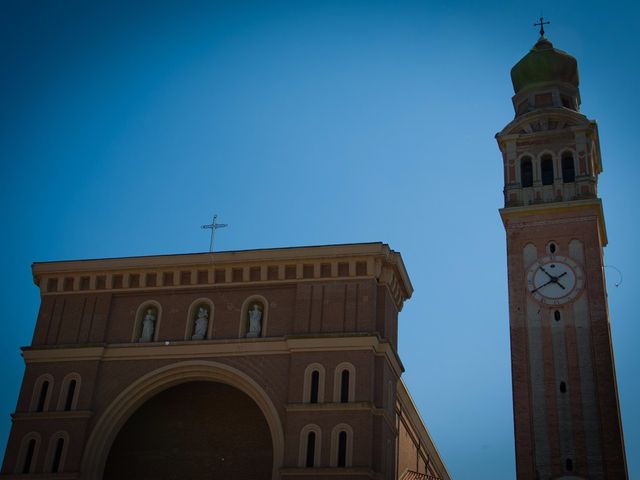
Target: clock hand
(543,285)
(558,283)
(547,273)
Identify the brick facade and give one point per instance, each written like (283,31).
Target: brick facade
(324,311)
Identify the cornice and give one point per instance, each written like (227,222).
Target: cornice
(53,415)
(258,268)
(543,113)
(520,217)
(186,349)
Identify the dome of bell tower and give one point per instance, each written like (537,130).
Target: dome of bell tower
(545,77)
(544,64)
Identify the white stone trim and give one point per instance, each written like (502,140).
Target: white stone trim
(341,427)
(337,382)
(306,389)
(37,389)
(64,389)
(22,453)
(48,462)
(302,454)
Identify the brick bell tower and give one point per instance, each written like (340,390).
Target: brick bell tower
(566,413)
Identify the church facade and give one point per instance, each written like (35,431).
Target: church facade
(566,410)
(260,364)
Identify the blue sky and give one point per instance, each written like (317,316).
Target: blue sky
(123,128)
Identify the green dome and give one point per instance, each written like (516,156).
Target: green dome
(544,64)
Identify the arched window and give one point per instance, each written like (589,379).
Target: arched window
(28,459)
(546,170)
(253,320)
(69,392)
(341,445)
(311,449)
(315,381)
(56,453)
(28,453)
(344,383)
(44,395)
(526,172)
(568,168)
(310,441)
(313,386)
(57,456)
(41,396)
(199,320)
(344,386)
(342,449)
(147,322)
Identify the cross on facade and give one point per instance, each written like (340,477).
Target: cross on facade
(214,226)
(541,24)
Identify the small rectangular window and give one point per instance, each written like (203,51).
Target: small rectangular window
(116,281)
(68,284)
(272,272)
(290,272)
(134,280)
(52,285)
(307,271)
(84,283)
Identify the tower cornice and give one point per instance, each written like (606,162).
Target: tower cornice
(519,125)
(520,217)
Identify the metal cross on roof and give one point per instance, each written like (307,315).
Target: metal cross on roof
(214,226)
(541,24)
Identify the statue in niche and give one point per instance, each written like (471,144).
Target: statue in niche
(201,323)
(255,318)
(148,326)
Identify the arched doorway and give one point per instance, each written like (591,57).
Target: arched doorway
(115,416)
(195,430)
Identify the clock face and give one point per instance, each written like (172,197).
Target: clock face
(554,280)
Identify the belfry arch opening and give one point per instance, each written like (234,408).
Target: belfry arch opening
(196,430)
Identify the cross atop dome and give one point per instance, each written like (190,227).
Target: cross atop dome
(541,24)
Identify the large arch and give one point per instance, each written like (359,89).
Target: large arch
(136,394)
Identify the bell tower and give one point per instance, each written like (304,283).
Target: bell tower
(566,413)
